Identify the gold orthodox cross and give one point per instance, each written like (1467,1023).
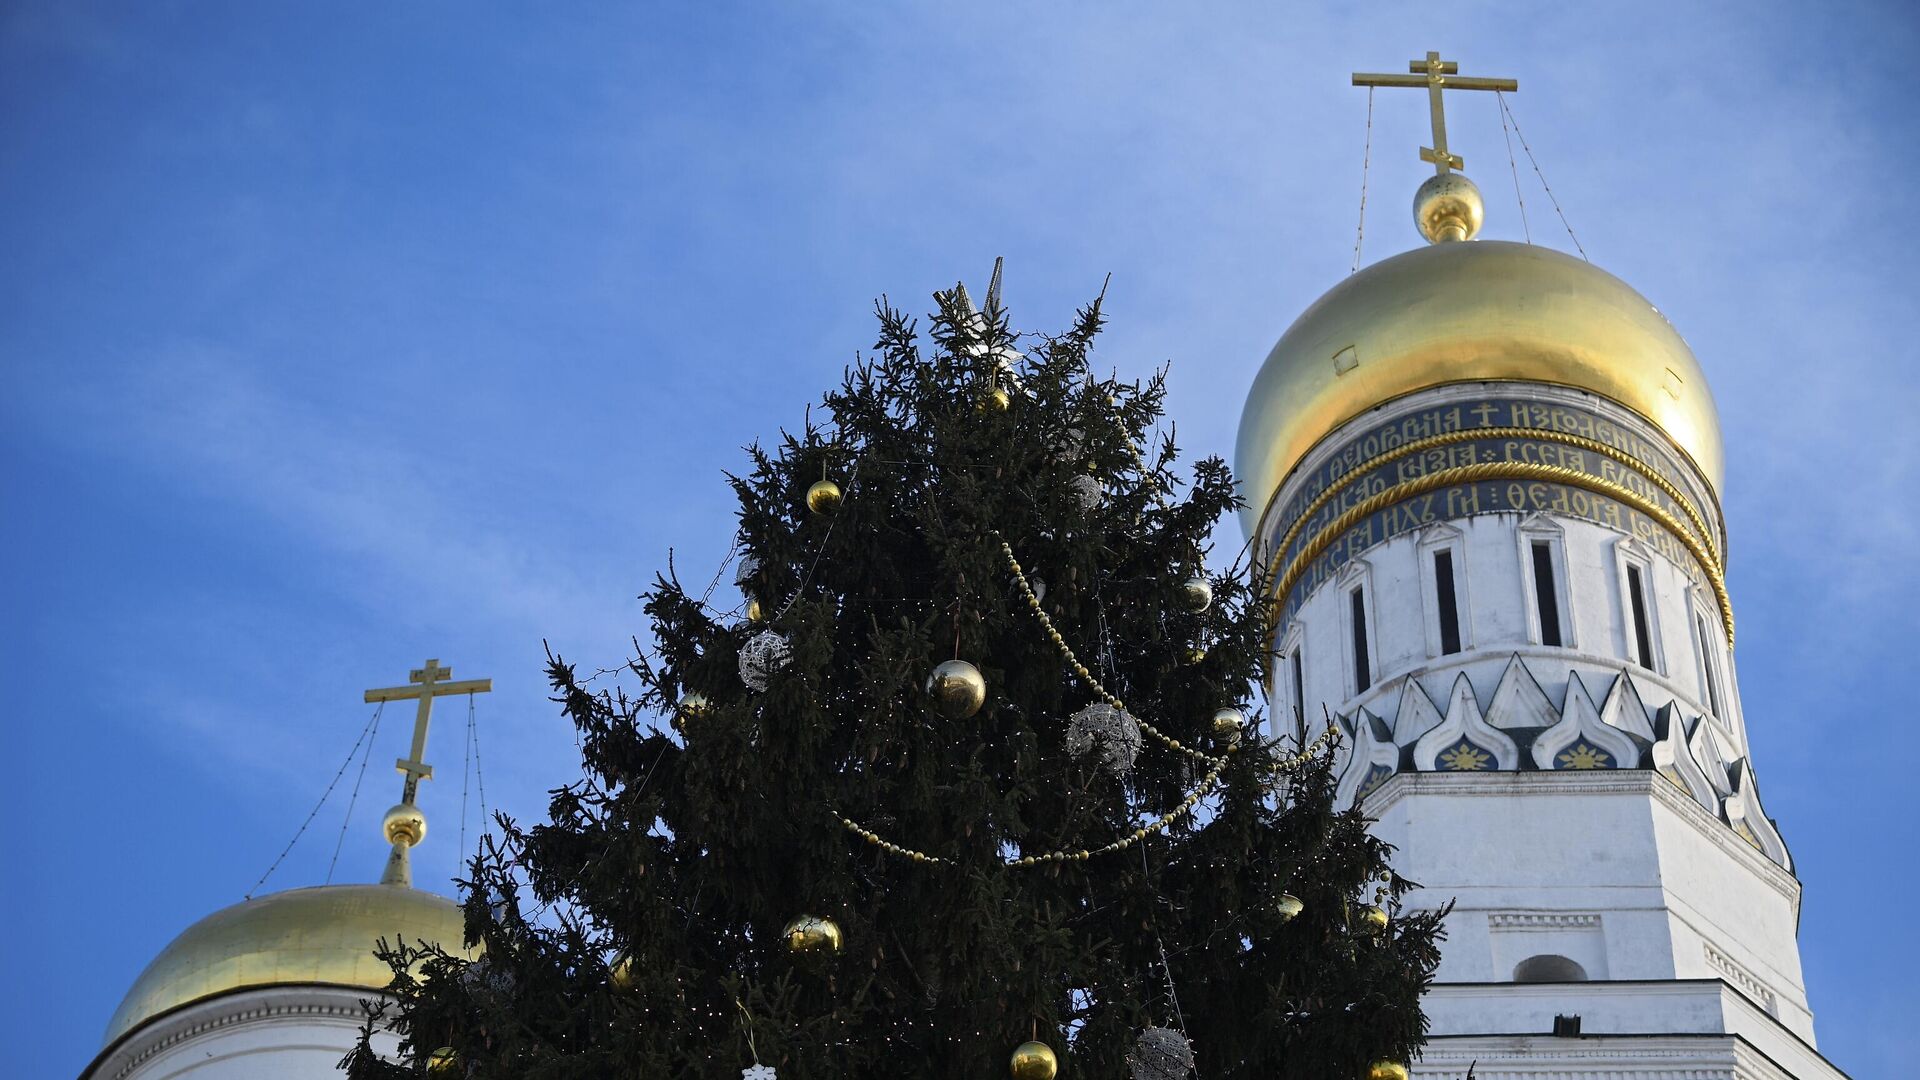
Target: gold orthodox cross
(428,685)
(1436,75)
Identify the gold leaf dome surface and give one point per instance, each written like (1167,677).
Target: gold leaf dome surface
(1487,310)
(324,934)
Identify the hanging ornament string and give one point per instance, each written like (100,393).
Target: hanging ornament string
(1080,669)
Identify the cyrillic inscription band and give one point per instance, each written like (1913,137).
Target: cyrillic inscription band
(1506,456)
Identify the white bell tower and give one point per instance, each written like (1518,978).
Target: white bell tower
(1483,479)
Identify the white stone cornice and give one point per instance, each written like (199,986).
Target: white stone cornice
(1597,782)
(1542,920)
(339,1009)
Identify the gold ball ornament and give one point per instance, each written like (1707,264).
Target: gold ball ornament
(996,400)
(404,824)
(754,614)
(823,497)
(692,707)
(958,688)
(620,973)
(1196,593)
(1033,1061)
(1196,654)
(1289,907)
(812,934)
(1373,921)
(443,1062)
(1386,1070)
(1448,208)
(1229,724)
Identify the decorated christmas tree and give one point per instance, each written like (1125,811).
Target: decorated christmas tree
(969,781)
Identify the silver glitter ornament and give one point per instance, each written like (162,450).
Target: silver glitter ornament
(1111,731)
(764,654)
(745,570)
(1160,1054)
(1087,491)
(1196,593)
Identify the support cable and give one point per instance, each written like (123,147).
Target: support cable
(1513,168)
(1366,161)
(355,796)
(372,724)
(1507,110)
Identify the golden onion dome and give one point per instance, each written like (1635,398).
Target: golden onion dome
(1468,312)
(325,934)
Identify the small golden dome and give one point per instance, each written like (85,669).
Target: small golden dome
(404,823)
(1468,312)
(324,934)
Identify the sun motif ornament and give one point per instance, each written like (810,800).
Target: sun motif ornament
(1375,777)
(1465,757)
(1583,756)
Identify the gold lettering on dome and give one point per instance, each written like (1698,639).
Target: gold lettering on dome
(1463,500)
(1484,413)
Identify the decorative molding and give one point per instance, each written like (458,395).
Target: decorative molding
(1747,981)
(1706,751)
(1374,758)
(1542,920)
(1626,709)
(1464,725)
(1518,701)
(316,1001)
(1749,820)
(1580,740)
(1673,758)
(1417,714)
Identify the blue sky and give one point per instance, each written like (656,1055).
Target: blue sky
(333,338)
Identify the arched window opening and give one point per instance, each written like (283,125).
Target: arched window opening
(1548,968)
